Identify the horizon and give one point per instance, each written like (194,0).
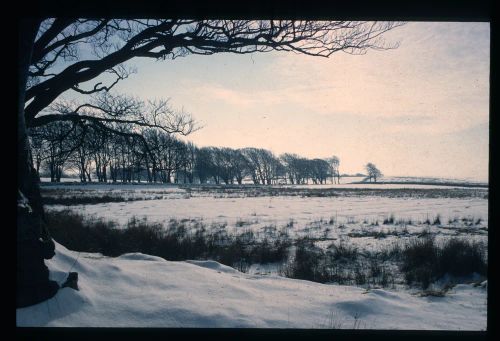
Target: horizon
(73,174)
(420,110)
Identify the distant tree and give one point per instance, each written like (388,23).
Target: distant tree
(254,164)
(171,159)
(189,162)
(38,150)
(240,165)
(223,167)
(320,170)
(270,166)
(373,171)
(99,142)
(262,165)
(304,167)
(83,149)
(293,166)
(55,150)
(204,167)
(334,168)
(153,138)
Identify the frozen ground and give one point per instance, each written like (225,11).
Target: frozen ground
(278,211)
(137,290)
(401,179)
(351,216)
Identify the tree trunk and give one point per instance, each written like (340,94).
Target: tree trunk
(58,173)
(33,284)
(104,175)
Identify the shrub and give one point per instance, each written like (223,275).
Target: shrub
(89,200)
(359,277)
(343,250)
(423,261)
(389,220)
(242,265)
(307,263)
(375,269)
(78,234)
(419,259)
(459,257)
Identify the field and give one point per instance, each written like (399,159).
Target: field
(385,256)
(366,218)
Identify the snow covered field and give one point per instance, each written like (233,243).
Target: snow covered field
(264,211)
(137,290)
(329,218)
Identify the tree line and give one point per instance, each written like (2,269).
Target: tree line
(153,155)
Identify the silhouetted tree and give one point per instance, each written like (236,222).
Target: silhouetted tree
(189,162)
(204,167)
(254,164)
(292,167)
(55,149)
(373,171)
(240,165)
(334,168)
(320,170)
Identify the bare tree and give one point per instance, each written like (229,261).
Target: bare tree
(100,145)
(240,165)
(55,150)
(204,167)
(373,171)
(262,165)
(188,158)
(113,42)
(334,168)
(254,164)
(39,149)
(320,169)
(270,165)
(291,166)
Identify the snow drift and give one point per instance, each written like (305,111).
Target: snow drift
(137,290)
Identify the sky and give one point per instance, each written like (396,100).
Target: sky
(419,110)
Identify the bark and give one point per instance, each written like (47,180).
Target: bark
(33,240)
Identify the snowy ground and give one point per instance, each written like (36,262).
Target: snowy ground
(265,211)
(137,290)
(142,291)
(402,179)
(348,218)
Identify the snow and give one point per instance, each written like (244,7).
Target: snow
(144,186)
(466,181)
(63,179)
(137,290)
(327,219)
(258,212)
